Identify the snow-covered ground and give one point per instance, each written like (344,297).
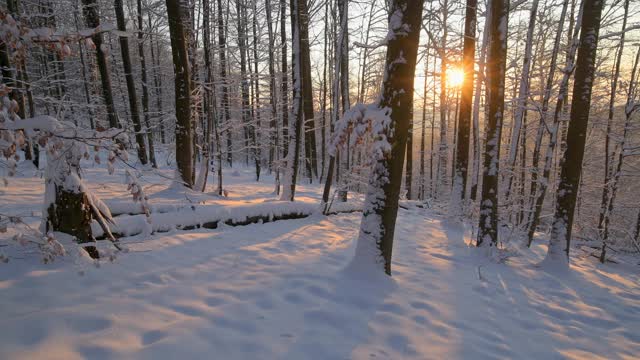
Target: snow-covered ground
(280,290)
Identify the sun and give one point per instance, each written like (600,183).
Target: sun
(455,77)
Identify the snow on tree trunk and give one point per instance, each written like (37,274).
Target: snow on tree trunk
(92,20)
(375,241)
(521,102)
(576,135)
(131,87)
(462,158)
(295,124)
(496,64)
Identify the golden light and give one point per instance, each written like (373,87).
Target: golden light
(455,77)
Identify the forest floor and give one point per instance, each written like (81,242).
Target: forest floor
(281,290)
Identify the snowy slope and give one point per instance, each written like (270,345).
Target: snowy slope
(279,291)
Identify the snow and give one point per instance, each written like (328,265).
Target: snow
(284,290)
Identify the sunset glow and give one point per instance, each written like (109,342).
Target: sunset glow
(455,77)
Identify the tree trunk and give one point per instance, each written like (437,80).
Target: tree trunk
(145,87)
(296,123)
(375,241)
(222,50)
(464,120)
(307,93)
(521,102)
(537,200)
(284,82)
(576,135)
(184,133)
(131,87)
(630,109)
(92,20)
(612,98)
(496,65)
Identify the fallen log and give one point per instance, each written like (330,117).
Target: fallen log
(211,216)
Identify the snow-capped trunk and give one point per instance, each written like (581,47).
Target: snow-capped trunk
(443,149)
(539,188)
(496,65)
(222,51)
(608,154)
(464,120)
(570,58)
(476,106)
(131,87)
(145,86)
(631,108)
(576,135)
(375,241)
(92,20)
(311,156)
(521,102)
(295,125)
(67,206)
(338,83)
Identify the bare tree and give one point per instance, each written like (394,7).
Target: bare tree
(184,132)
(375,242)
(576,135)
(496,65)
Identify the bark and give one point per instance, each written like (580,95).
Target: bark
(443,149)
(131,87)
(92,20)
(184,133)
(523,95)
(496,65)
(408,180)
(157,81)
(284,82)
(464,120)
(145,87)
(576,135)
(85,81)
(607,157)
(257,127)
(375,241)
(70,214)
(274,152)
(630,109)
(222,44)
(423,139)
(538,199)
(296,123)
(476,106)
(307,92)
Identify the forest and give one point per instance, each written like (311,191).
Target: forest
(319,179)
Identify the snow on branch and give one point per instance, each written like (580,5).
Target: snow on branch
(359,121)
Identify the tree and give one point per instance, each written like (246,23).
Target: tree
(92,20)
(184,133)
(307,91)
(576,135)
(375,241)
(464,120)
(607,158)
(222,50)
(131,87)
(496,65)
(296,123)
(145,87)
(523,95)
